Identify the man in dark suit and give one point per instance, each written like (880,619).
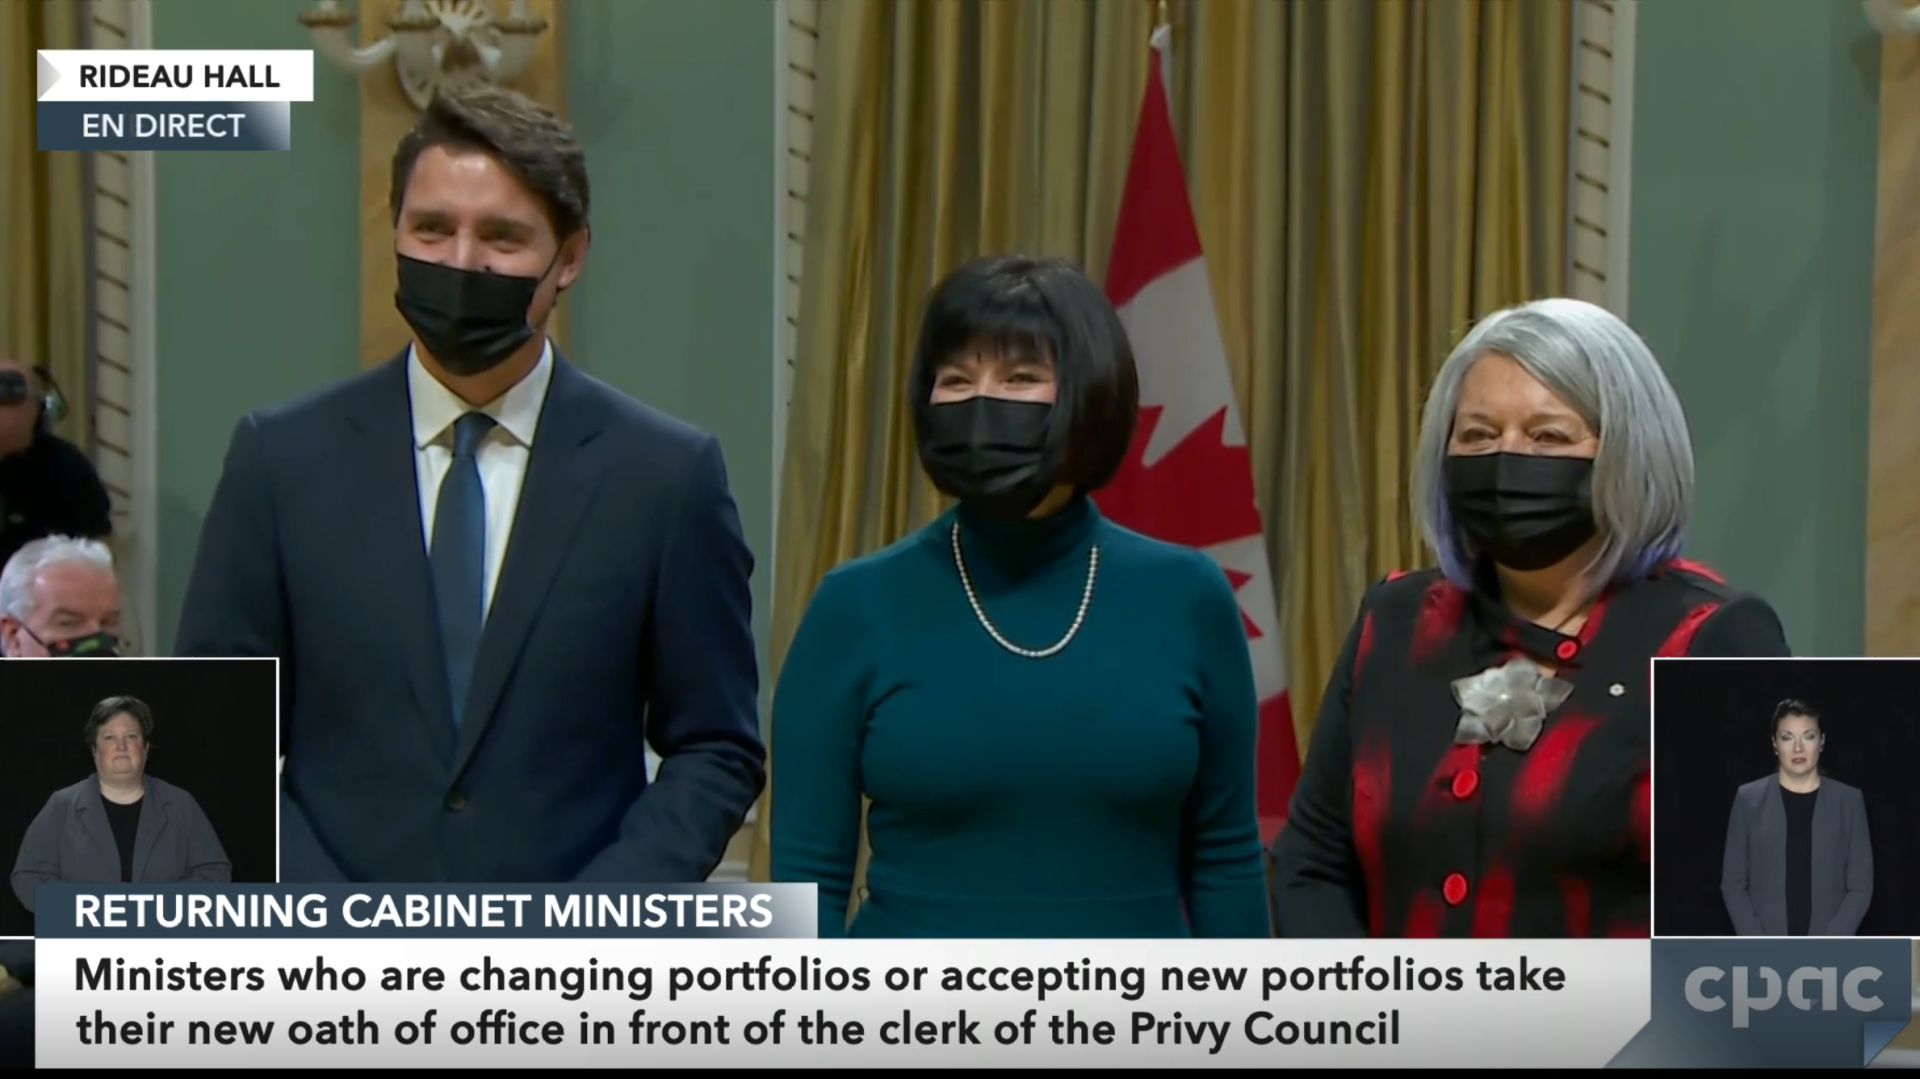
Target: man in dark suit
(492,581)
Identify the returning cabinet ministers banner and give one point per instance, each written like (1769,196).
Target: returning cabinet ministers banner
(731,975)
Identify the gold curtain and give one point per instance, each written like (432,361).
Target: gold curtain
(43,225)
(1368,175)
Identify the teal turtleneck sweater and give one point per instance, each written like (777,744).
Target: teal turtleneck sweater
(1104,792)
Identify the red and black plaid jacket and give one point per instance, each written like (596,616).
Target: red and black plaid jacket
(1394,831)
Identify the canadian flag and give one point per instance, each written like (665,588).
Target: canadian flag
(1188,478)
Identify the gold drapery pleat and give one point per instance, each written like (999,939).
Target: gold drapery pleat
(43,223)
(1369,176)
(1426,186)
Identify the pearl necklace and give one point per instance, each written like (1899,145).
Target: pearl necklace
(973,600)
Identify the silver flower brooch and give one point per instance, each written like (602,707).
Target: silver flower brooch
(1507,705)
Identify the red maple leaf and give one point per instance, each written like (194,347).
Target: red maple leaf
(1200,494)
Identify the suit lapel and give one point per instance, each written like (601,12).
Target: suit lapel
(563,472)
(379,467)
(1773,825)
(1826,822)
(153,824)
(93,811)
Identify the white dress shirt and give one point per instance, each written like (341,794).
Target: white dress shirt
(502,456)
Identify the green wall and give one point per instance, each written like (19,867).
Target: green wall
(1755,147)
(258,261)
(259,253)
(674,101)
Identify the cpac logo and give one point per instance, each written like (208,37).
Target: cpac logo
(1746,1002)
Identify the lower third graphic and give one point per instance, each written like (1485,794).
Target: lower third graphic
(1779,1003)
(163,125)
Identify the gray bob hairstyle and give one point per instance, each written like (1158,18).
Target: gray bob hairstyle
(1643,472)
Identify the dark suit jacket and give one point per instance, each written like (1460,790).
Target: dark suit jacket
(1753,876)
(621,618)
(71,842)
(51,489)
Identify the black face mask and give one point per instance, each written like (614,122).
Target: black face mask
(102,645)
(990,453)
(1524,511)
(468,320)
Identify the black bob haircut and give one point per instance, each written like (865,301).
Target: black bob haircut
(1045,309)
(104,712)
(1793,707)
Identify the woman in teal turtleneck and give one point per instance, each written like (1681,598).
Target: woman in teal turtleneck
(1054,717)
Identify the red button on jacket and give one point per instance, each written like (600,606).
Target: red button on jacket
(1465,782)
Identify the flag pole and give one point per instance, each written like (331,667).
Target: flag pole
(1162,48)
(1190,480)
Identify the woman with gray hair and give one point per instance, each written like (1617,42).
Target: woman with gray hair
(1480,765)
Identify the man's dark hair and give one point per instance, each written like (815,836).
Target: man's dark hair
(537,147)
(1045,309)
(104,712)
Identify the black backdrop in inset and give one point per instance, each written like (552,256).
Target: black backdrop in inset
(1711,729)
(215,735)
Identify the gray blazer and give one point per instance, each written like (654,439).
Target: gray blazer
(1753,876)
(70,842)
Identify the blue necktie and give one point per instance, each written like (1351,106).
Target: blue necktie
(459,556)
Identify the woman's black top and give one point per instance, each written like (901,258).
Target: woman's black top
(1799,859)
(125,821)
